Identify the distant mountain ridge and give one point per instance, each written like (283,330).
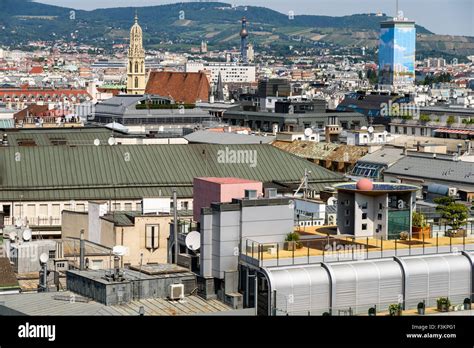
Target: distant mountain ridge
(216,22)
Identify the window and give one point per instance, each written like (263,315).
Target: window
(184,205)
(128,207)
(6,210)
(43,210)
(379,216)
(380,206)
(136,82)
(52,254)
(364,227)
(55,210)
(80,207)
(139,206)
(364,205)
(116,206)
(364,216)
(347,212)
(379,228)
(347,223)
(152,236)
(136,67)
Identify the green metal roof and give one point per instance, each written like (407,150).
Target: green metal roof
(137,171)
(48,137)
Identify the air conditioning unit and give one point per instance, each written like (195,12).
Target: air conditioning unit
(176,292)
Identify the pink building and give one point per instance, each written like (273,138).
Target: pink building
(219,190)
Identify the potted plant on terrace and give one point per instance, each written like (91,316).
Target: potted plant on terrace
(443,304)
(395,309)
(372,312)
(292,241)
(421,308)
(404,235)
(420,226)
(467,303)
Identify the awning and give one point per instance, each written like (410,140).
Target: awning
(455,131)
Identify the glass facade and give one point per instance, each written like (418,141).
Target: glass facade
(397,53)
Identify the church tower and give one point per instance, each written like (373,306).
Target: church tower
(136,80)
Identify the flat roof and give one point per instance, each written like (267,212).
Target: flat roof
(59,304)
(379,187)
(228,181)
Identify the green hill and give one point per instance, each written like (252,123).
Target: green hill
(23,20)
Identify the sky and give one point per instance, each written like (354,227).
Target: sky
(453,17)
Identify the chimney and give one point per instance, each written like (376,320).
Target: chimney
(117,266)
(81,251)
(468,147)
(459,149)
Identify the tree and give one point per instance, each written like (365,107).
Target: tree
(455,214)
(425,118)
(451,120)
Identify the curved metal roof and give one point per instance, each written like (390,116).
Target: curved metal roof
(359,285)
(432,276)
(300,290)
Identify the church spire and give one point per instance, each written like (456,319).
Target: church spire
(136,79)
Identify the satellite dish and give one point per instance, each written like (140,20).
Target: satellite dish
(385,133)
(26,235)
(96,142)
(308,132)
(193,240)
(112,141)
(119,250)
(291,204)
(370,129)
(44,258)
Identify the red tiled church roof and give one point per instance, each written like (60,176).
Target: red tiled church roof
(35,93)
(185,88)
(36,70)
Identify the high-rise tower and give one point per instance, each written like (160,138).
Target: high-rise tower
(397,52)
(243,41)
(136,80)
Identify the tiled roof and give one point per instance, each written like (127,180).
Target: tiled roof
(437,170)
(29,94)
(182,87)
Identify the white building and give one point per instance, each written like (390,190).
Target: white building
(231,72)
(368,136)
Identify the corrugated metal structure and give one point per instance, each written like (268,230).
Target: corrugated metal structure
(431,277)
(354,287)
(137,171)
(362,285)
(301,290)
